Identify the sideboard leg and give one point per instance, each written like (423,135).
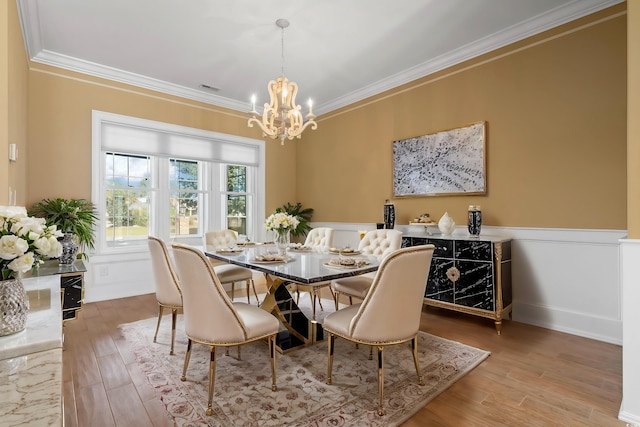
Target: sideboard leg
(498,326)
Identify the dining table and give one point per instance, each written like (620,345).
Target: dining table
(312,268)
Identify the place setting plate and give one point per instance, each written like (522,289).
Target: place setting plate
(248,244)
(270,259)
(301,248)
(344,251)
(229,251)
(346,263)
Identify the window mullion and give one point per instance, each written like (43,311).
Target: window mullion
(161,209)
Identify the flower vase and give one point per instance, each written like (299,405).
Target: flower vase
(14,307)
(283,239)
(69,249)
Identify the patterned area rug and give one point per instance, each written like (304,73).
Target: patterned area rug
(243,396)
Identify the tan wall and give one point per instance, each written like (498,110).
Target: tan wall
(13,104)
(60,105)
(555,107)
(4,102)
(633,124)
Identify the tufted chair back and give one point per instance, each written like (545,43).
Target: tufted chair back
(221,238)
(320,238)
(380,242)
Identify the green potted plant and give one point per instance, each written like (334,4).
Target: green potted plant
(303,215)
(76,218)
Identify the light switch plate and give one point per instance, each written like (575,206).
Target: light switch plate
(13,152)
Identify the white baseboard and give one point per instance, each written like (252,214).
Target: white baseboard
(581,324)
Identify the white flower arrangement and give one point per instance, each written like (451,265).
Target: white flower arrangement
(25,240)
(281,221)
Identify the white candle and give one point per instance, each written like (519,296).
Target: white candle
(310,107)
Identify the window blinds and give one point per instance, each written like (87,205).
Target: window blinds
(206,146)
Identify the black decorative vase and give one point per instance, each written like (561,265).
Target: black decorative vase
(475,220)
(69,249)
(389,214)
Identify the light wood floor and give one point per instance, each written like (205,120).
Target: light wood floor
(534,376)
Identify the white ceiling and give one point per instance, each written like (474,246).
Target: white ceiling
(338,51)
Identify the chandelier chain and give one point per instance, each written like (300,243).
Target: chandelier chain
(282,49)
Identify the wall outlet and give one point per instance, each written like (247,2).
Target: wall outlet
(103,270)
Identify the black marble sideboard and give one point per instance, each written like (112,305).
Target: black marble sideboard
(71,284)
(469,275)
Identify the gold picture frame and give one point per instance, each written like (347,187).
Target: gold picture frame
(449,162)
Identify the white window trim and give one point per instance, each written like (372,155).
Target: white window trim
(212,220)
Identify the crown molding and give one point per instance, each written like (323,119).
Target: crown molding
(138,80)
(556,17)
(29,19)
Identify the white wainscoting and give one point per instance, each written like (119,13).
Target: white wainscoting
(563,279)
(630,267)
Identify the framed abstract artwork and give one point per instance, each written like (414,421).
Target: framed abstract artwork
(449,162)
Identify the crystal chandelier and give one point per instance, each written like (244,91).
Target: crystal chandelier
(282,117)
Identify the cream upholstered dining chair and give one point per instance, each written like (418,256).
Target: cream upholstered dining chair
(229,273)
(390,313)
(375,242)
(167,286)
(211,318)
(320,239)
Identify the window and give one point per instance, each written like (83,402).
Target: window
(126,197)
(153,178)
(185,197)
(235,197)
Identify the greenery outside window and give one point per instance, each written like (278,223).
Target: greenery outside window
(236,196)
(185,197)
(127,197)
(172,182)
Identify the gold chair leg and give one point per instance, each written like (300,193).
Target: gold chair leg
(187,357)
(414,349)
(226,352)
(330,344)
(371,352)
(253,286)
(272,358)
(160,309)
(350,300)
(336,299)
(174,318)
(381,410)
(212,380)
(233,290)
